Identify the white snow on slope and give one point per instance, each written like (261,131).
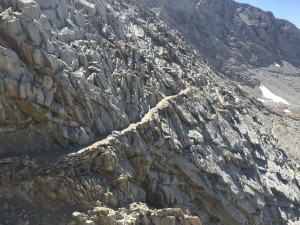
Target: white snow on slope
(276,64)
(267,94)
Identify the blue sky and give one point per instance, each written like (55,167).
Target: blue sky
(282,9)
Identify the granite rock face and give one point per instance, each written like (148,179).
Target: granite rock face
(73,72)
(173,143)
(233,37)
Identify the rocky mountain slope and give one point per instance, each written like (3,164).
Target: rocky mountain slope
(244,43)
(167,139)
(231,34)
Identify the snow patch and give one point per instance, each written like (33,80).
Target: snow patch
(267,94)
(287,111)
(262,100)
(276,64)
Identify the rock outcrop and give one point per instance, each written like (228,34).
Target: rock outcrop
(76,71)
(234,38)
(167,140)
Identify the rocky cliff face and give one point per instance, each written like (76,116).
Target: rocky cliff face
(173,143)
(74,72)
(233,37)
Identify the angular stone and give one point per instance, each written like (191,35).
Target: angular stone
(138,31)
(12,86)
(48,98)
(40,97)
(47,82)
(23,89)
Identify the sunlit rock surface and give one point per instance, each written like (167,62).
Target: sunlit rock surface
(108,116)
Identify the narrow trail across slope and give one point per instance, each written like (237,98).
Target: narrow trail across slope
(98,140)
(148,116)
(161,104)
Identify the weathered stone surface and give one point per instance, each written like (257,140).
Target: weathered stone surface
(238,40)
(173,143)
(139,214)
